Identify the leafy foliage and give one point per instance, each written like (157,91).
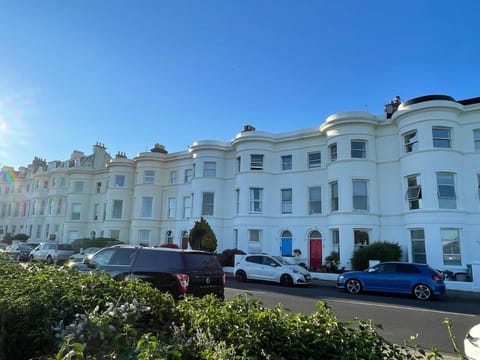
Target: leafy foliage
(51,312)
(332,261)
(99,242)
(202,236)
(383,251)
(227,257)
(21,237)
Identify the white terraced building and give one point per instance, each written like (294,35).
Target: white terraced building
(410,176)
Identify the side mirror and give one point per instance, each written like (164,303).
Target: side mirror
(87,261)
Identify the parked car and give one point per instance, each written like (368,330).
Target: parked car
(51,251)
(471,343)
(270,268)
(419,280)
(84,253)
(20,252)
(176,271)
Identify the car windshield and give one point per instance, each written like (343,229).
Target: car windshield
(282,260)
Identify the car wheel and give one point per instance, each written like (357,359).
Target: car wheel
(49,260)
(353,286)
(241,276)
(286,280)
(17,257)
(422,292)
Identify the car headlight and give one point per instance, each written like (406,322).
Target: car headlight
(340,277)
(475,341)
(296,271)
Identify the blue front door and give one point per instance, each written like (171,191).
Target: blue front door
(286,246)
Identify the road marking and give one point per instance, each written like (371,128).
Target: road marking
(327,300)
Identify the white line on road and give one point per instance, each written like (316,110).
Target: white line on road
(396,307)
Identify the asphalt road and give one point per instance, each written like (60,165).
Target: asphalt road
(400,316)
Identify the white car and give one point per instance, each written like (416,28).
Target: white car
(270,268)
(472,343)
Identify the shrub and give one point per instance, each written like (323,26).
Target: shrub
(202,237)
(227,257)
(99,242)
(331,261)
(382,251)
(52,312)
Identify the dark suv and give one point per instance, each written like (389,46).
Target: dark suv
(174,270)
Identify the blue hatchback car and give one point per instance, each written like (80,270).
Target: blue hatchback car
(420,280)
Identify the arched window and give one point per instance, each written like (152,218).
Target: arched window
(315,235)
(169,237)
(185,239)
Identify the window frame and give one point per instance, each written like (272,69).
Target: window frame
(360,198)
(287,200)
(149,176)
(445,201)
(333,152)
(334,198)
(146,207)
(209,169)
(314,159)
(437,140)
(208,205)
(410,141)
(417,241)
(358,153)
(287,163)
(314,203)
(171,207)
(256,161)
(452,254)
(117,209)
(256,200)
(414,192)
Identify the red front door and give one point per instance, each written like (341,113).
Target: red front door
(315,253)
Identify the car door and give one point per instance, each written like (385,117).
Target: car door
(406,274)
(380,278)
(116,261)
(253,267)
(269,268)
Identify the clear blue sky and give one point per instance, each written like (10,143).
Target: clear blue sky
(132,73)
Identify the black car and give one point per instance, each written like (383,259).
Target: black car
(176,271)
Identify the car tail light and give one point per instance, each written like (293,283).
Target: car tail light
(183,281)
(436,277)
(224,279)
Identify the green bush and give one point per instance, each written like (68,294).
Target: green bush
(383,251)
(51,312)
(99,242)
(227,257)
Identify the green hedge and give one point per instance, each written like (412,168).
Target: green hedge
(51,312)
(383,251)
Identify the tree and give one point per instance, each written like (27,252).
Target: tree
(21,237)
(202,236)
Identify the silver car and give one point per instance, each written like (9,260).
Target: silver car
(51,251)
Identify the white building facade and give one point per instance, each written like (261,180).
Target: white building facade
(411,177)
